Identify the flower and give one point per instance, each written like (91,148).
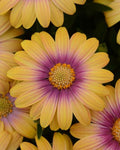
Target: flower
(15,119)
(112,16)
(8,42)
(9,141)
(118,37)
(104,2)
(60,142)
(25,12)
(60,77)
(104,131)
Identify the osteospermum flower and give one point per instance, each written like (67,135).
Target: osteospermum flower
(8,140)
(15,119)
(60,142)
(8,40)
(104,131)
(44,10)
(60,77)
(113,16)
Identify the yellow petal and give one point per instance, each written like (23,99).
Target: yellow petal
(5,138)
(42,143)
(11,33)
(48,43)
(7,5)
(62,41)
(23,124)
(98,60)
(64,113)
(89,143)
(81,2)
(34,50)
(23,73)
(1,126)
(54,124)
(90,99)
(99,75)
(22,58)
(118,37)
(16,14)
(28,8)
(7,126)
(42,7)
(59,142)
(81,112)
(47,116)
(57,16)
(87,49)
(11,45)
(68,141)
(36,109)
(4,88)
(117,91)
(15,141)
(27,146)
(4,23)
(76,40)
(66,6)
(80,131)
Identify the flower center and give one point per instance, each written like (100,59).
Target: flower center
(61,76)
(5,106)
(116,130)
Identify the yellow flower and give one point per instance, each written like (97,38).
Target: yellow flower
(60,142)
(25,12)
(60,78)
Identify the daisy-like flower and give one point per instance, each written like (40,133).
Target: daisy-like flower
(15,119)
(8,140)
(60,77)
(104,131)
(44,10)
(8,42)
(60,142)
(113,16)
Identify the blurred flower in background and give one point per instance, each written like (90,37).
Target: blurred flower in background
(60,78)
(104,131)
(60,142)
(112,16)
(25,12)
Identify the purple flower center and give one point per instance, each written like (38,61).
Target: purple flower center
(116,130)
(6,106)
(61,76)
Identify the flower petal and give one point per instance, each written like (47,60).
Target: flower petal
(87,49)
(66,6)
(34,50)
(90,99)
(98,60)
(28,8)
(6,5)
(69,145)
(76,40)
(42,7)
(90,142)
(27,146)
(23,124)
(80,131)
(22,58)
(81,112)
(15,141)
(64,112)
(81,2)
(16,14)
(47,116)
(57,16)
(117,92)
(42,143)
(62,41)
(5,138)
(118,37)
(54,124)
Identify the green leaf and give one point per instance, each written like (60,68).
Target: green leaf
(39,130)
